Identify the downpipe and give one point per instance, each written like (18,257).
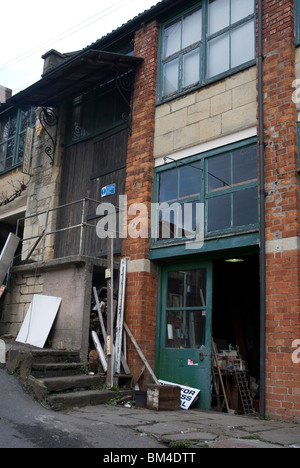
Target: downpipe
(262,216)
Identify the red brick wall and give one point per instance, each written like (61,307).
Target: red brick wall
(141,294)
(282,211)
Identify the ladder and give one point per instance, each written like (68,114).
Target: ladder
(244,391)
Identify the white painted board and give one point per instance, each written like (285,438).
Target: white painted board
(100,351)
(39,320)
(2,352)
(7,255)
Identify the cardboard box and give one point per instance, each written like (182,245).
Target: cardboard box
(163,397)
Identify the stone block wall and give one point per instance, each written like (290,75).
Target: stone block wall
(218,110)
(69,279)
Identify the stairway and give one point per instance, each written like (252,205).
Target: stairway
(59,380)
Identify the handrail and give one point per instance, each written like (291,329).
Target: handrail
(81,225)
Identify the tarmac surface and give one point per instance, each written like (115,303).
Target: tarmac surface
(196,428)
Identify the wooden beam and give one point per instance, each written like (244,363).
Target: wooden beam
(141,354)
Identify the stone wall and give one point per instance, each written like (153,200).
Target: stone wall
(217,110)
(44,188)
(70,279)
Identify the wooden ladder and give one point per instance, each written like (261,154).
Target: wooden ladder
(244,391)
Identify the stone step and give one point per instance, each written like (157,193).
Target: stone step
(62,384)
(53,356)
(41,388)
(79,399)
(42,370)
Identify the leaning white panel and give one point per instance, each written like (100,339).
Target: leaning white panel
(39,320)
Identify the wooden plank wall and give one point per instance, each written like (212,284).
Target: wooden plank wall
(89,166)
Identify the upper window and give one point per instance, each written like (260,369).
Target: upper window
(205,42)
(225,184)
(13,136)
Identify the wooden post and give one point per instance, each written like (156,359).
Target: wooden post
(110,312)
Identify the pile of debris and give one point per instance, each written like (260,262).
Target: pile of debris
(108,353)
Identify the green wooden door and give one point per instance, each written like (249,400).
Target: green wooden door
(184,348)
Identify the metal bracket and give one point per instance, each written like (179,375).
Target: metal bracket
(48,119)
(124,84)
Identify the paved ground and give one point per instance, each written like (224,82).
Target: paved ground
(195,428)
(109,426)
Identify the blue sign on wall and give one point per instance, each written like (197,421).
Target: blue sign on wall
(108,190)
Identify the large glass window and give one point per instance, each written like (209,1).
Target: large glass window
(179,191)
(181,52)
(212,39)
(226,184)
(13,128)
(231,191)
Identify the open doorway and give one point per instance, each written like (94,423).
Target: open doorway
(236,312)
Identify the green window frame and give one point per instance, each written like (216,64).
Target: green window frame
(297,21)
(13,127)
(204,43)
(224,180)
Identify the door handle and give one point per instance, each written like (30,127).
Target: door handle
(202,356)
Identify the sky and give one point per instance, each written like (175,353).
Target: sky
(29,28)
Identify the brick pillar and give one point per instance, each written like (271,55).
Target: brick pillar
(141,293)
(282,212)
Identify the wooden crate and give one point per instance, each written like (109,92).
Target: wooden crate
(163,397)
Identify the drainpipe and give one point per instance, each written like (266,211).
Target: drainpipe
(262,215)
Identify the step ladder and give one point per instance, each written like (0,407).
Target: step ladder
(244,391)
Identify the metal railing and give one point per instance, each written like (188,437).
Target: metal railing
(82,225)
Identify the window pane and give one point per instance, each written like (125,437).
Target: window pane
(187,288)
(191,68)
(192,28)
(172,39)
(218,55)
(190,218)
(218,15)
(10,154)
(25,119)
(4,129)
(171,77)
(245,207)
(82,118)
(218,173)
(106,111)
(241,9)
(2,157)
(189,180)
(245,165)
(21,148)
(186,329)
(168,186)
(242,44)
(219,213)
(12,126)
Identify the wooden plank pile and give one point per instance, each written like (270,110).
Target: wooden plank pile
(110,349)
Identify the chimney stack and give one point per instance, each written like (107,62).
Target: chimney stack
(5,94)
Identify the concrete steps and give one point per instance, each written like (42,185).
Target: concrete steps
(59,380)
(85,398)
